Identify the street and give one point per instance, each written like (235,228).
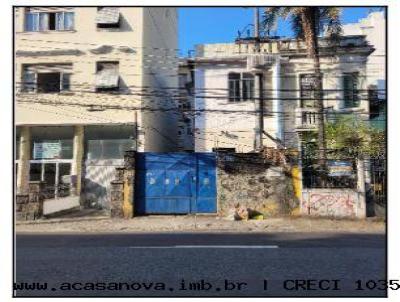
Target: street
(200,264)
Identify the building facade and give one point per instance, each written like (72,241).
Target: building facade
(374,29)
(234,110)
(90,85)
(186,105)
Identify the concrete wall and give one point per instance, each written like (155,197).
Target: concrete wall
(333,203)
(247,180)
(160,80)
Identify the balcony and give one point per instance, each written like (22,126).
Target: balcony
(257,62)
(306,119)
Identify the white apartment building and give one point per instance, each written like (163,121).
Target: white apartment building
(227,98)
(89,86)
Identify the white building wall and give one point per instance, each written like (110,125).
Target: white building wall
(220,123)
(224,124)
(374,28)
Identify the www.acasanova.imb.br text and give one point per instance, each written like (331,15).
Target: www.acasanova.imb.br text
(203,285)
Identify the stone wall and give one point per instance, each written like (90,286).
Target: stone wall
(122,188)
(30,206)
(248,179)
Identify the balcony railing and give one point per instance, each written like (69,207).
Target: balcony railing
(306,119)
(255,62)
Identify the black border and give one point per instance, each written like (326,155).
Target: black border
(386,7)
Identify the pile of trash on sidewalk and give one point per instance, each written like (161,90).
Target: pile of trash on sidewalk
(242,213)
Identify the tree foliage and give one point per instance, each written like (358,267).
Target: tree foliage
(322,19)
(351,136)
(308,22)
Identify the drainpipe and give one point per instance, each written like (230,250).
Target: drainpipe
(276,96)
(258,82)
(256,23)
(259,106)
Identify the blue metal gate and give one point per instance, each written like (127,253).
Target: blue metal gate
(175,183)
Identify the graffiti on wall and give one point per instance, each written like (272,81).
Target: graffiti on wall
(333,204)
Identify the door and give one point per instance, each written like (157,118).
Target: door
(49,177)
(206,184)
(175,183)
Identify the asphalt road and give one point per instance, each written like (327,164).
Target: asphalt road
(200,264)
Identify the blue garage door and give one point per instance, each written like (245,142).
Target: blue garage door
(175,183)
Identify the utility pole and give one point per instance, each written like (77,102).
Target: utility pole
(258,79)
(256,24)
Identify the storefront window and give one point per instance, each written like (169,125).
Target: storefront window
(52,143)
(109,142)
(52,149)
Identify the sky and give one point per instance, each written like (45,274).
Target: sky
(198,25)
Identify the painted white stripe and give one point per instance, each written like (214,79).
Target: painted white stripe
(207,247)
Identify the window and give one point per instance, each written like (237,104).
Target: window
(46,78)
(52,149)
(108,17)
(241,87)
(56,176)
(107,76)
(350,90)
(308,93)
(374,104)
(49,21)
(247,86)
(234,87)
(108,142)
(53,142)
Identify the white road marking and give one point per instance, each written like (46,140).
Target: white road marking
(207,247)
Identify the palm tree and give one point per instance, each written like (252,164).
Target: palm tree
(307,23)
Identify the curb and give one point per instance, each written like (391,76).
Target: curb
(60,220)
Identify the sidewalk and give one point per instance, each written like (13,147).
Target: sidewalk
(200,224)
